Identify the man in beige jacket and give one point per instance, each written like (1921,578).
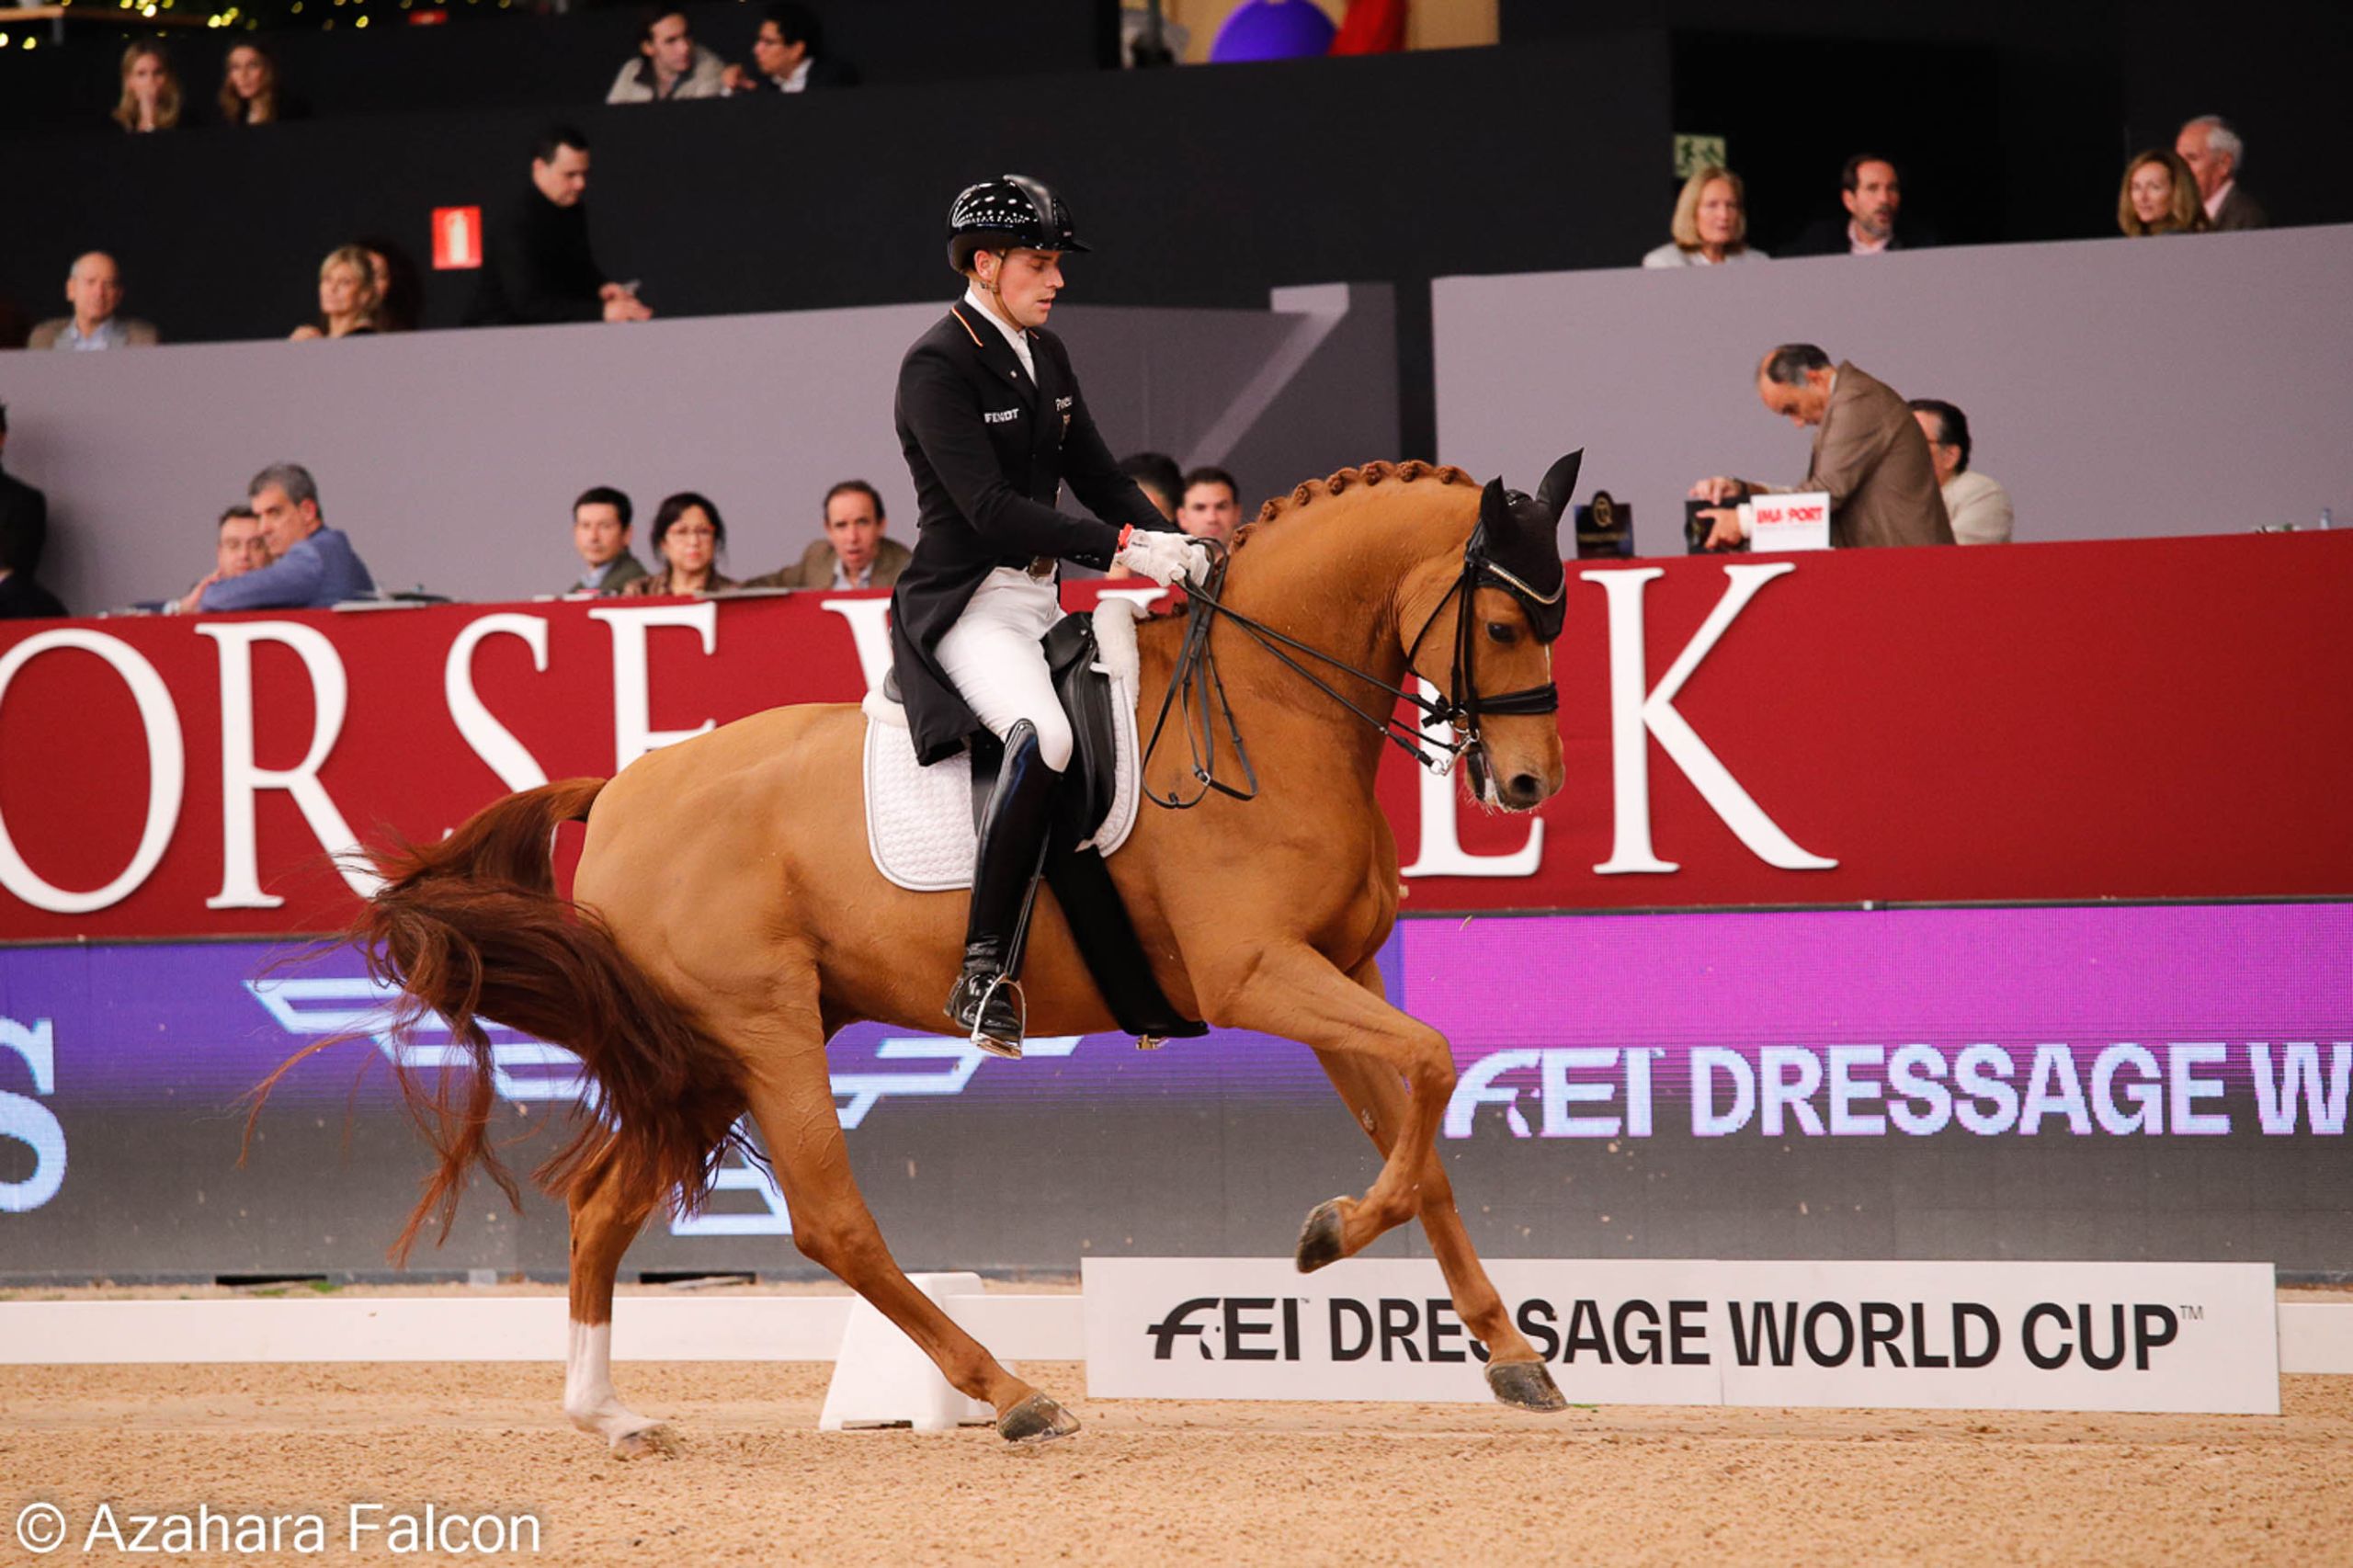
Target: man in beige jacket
(1868,455)
(853,555)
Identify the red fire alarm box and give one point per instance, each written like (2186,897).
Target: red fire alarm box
(457,238)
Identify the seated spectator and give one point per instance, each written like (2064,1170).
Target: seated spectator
(688,538)
(1868,455)
(250,94)
(600,520)
(312,565)
(1158,475)
(2159,196)
(93,287)
(24,516)
(151,90)
(789,55)
(347,297)
(2214,151)
(1213,506)
(1979,507)
(22,598)
(399,293)
(237,548)
(536,265)
(1710,223)
(670,64)
(1873,192)
(853,555)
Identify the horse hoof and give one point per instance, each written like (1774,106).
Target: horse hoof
(1037,1419)
(1526,1385)
(648,1442)
(1320,1238)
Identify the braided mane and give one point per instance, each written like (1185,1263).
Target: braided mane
(1413,470)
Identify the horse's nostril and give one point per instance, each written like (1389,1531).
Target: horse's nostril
(1525,788)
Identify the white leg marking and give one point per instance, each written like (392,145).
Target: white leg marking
(588,1397)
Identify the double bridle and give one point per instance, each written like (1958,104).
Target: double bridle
(1196,690)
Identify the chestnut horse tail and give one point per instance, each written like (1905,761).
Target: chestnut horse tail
(473,930)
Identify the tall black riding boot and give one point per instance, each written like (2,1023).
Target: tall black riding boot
(986,1001)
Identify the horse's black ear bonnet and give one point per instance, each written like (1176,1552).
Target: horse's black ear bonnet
(1517,546)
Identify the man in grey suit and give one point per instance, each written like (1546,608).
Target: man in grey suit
(1868,455)
(853,555)
(2214,151)
(93,287)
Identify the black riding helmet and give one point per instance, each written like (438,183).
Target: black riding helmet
(1002,213)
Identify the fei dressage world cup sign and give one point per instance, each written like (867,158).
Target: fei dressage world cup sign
(2117,1337)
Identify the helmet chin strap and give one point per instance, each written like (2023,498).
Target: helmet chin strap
(995,290)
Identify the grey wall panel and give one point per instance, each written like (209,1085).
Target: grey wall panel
(2193,386)
(452,457)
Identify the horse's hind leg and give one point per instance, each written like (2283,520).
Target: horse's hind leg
(1378,1099)
(793,1099)
(606,1215)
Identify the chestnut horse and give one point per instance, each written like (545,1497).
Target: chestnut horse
(726,921)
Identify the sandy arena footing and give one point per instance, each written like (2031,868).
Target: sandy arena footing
(1161,1482)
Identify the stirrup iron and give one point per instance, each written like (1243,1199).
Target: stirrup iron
(1010,1050)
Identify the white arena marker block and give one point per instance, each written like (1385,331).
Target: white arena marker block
(2315,1336)
(882,1379)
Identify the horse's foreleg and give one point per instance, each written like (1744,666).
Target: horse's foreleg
(605,1218)
(1298,993)
(792,1100)
(1378,1100)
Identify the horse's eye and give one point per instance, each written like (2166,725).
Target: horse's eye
(1497,632)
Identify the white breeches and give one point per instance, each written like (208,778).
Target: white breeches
(991,656)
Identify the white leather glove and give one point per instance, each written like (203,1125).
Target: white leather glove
(1165,557)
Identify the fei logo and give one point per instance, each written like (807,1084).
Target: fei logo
(28,1122)
(528,1072)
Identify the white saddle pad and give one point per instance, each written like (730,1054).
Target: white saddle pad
(919,820)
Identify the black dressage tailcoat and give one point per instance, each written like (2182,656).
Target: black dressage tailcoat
(989,450)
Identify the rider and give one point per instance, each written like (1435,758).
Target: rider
(993,423)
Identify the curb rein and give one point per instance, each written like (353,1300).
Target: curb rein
(1196,690)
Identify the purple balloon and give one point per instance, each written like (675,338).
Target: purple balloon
(1274,30)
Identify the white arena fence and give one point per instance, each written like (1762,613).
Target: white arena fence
(1189,1305)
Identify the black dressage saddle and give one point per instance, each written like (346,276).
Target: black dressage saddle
(1082,883)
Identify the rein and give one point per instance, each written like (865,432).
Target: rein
(1197,691)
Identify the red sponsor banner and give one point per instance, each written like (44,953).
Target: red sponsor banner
(2156,718)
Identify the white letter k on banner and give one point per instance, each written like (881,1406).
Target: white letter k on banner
(1634,718)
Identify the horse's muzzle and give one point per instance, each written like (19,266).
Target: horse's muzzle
(1520,792)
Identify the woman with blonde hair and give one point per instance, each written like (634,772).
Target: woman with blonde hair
(1710,223)
(251,93)
(151,90)
(346,296)
(2159,196)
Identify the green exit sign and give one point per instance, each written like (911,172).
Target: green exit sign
(1697,152)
